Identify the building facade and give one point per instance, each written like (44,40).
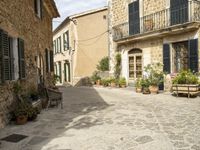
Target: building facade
(25,48)
(80,42)
(148,31)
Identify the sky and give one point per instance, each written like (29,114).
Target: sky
(70,7)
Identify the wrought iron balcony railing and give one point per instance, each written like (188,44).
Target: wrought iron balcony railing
(159,20)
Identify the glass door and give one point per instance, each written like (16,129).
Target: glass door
(135,67)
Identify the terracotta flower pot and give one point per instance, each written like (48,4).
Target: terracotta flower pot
(21,120)
(138,90)
(123,86)
(113,84)
(98,82)
(146,91)
(154,89)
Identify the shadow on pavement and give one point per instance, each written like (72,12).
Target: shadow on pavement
(54,123)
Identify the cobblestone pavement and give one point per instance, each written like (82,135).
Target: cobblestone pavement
(112,119)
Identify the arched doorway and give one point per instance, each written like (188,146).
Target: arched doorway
(135,64)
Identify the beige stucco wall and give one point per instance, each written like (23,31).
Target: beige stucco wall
(89,41)
(90,52)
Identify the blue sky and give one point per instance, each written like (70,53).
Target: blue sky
(70,7)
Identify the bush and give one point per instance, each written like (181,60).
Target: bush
(154,73)
(105,82)
(145,83)
(122,81)
(95,76)
(117,66)
(103,64)
(138,83)
(186,77)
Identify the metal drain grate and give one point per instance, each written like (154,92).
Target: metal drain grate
(15,138)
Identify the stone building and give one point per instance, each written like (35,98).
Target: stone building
(149,31)
(25,48)
(80,42)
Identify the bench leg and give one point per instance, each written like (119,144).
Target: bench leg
(49,102)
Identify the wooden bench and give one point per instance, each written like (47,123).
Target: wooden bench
(54,96)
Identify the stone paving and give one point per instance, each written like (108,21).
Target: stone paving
(112,119)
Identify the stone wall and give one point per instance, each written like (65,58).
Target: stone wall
(19,20)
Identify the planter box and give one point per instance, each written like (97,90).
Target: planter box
(189,89)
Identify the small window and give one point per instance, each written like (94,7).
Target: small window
(104,17)
(38,8)
(66,41)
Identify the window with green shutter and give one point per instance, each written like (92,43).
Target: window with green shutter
(66,41)
(1,58)
(6,57)
(21,58)
(51,61)
(47,60)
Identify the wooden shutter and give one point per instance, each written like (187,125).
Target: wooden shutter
(166,58)
(131,21)
(41,9)
(60,71)
(179,11)
(47,60)
(67,39)
(51,61)
(35,6)
(134,18)
(193,55)
(6,57)
(1,58)
(21,58)
(12,70)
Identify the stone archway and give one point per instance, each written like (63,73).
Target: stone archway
(135,64)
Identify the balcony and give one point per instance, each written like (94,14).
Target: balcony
(167,19)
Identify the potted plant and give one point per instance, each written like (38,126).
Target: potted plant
(186,83)
(112,82)
(155,76)
(138,85)
(145,86)
(21,114)
(122,82)
(32,113)
(105,82)
(96,79)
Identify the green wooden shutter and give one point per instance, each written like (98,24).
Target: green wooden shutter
(12,70)
(51,61)
(67,39)
(35,6)
(166,58)
(47,60)
(1,58)
(60,71)
(6,57)
(41,9)
(65,72)
(21,57)
(64,41)
(193,55)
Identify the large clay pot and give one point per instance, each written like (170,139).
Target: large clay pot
(113,84)
(123,86)
(21,120)
(138,90)
(98,82)
(154,89)
(146,91)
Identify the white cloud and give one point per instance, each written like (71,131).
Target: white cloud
(70,7)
